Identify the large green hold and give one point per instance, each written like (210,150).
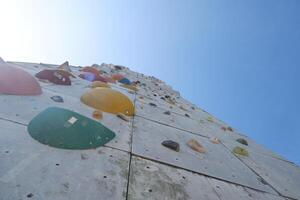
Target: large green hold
(66,129)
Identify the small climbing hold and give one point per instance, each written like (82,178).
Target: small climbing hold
(84,156)
(186,115)
(91,70)
(123,117)
(196,146)
(171,145)
(99,84)
(215,140)
(125,81)
(130,87)
(210,119)
(65,67)
(223,128)
(229,129)
(240,151)
(57,99)
(117,77)
(89,76)
(97,114)
(118,67)
(29,195)
(152,104)
(193,108)
(167,112)
(182,108)
(242,141)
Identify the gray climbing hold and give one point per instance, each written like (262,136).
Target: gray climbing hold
(242,141)
(171,145)
(167,112)
(152,104)
(57,99)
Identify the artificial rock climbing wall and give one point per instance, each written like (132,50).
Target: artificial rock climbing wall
(105,132)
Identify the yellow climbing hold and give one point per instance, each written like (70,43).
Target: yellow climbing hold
(108,100)
(99,84)
(210,119)
(130,87)
(240,151)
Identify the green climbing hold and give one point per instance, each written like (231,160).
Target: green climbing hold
(66,129)
(242,141)
(240,151)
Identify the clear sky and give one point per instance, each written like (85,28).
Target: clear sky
(237,59)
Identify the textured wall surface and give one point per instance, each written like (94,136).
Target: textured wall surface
(135,164)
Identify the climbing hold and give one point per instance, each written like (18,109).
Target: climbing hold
(57,99)
(152,104)
(117,76)
(123,117)
(242,141)
(93,77)
(65,67)
(182,108)
(99,84)
(108,100)
(97,114)
(15,81)
(167,112)
(240,151)
(66,129)
(210,119)
(125,81)
(90,70)
(196,146)
(118,67)
(223,128)
(215,140)
(171,145)
(54,76)
(131,87)
(186,115)
(229,129)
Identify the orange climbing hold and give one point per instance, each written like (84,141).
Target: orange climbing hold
(131,87)
(196,146)
(99,84)
(108,100)
(117,76)
(215,140)
(97,114)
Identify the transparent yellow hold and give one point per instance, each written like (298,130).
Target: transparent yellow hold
(240,151)
(108,100)
(130,87)
(96,84)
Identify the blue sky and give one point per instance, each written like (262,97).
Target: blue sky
(239,60)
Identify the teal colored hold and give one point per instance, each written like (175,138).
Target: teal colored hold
(62,128)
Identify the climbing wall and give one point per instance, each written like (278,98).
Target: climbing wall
(106,132)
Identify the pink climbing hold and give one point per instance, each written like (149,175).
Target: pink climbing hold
(15,81)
